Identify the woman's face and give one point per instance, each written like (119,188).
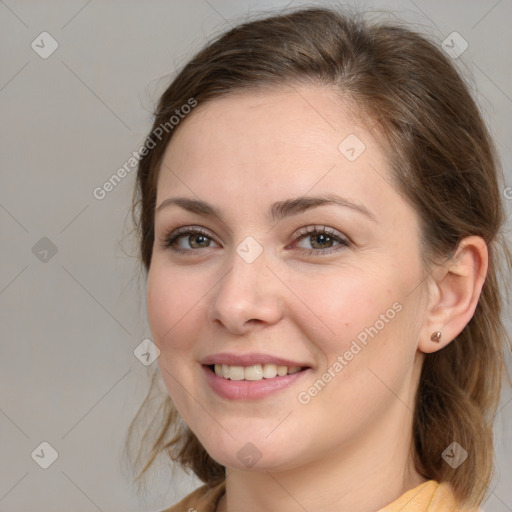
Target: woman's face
(257,283)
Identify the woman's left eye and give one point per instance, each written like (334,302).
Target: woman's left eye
(321,240)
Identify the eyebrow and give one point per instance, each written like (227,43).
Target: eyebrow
(277,211)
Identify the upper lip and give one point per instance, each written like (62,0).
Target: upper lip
(249,359)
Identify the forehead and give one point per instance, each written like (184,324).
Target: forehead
(261,146)
(265,129)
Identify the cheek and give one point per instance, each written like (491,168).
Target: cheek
(172,308)
(174,300)
(359,325)
(340,303)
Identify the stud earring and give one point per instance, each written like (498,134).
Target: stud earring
(436,336)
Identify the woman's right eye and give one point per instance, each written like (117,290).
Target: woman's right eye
(187,239)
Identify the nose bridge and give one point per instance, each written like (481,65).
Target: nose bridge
(247,291)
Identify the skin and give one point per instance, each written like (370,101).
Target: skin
(348,449)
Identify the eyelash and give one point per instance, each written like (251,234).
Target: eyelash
(173,236)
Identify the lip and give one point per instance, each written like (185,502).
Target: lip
(250,359)
(250,389)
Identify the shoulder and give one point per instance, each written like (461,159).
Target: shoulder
(203,499)
(444,499)
(430,496)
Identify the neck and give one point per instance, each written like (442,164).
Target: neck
(354,478)
(291,492)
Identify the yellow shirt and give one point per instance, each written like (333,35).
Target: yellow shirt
(430,496)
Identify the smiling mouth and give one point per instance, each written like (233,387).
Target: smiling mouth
(254,372)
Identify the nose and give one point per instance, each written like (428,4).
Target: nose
(248,296)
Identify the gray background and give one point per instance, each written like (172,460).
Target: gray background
(70,321)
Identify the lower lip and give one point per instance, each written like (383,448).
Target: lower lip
(249,389)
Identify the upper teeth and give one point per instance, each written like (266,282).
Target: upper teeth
(254,372)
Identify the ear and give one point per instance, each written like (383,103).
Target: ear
(454,290)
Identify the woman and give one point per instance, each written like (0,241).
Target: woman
(319,215)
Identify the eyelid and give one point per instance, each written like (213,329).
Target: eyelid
(187,229)
(302,233)
(319,228)
(172,235)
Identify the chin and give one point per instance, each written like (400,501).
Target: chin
(258,455)
(250,458)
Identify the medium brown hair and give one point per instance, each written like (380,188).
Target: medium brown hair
(444,164)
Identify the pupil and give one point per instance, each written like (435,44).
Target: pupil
(199,239)
(321,239)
